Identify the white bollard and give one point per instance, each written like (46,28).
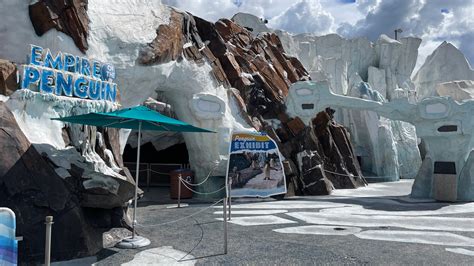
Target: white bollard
(47,249)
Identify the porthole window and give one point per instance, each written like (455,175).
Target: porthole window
(207,106)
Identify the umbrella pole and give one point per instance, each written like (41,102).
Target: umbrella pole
(135,241)
(137,175)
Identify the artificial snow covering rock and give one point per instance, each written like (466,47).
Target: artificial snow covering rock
(446,63)
(459,90)
(190,62)
(386,66)
(254,24)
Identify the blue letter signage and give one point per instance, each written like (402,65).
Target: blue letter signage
(69,75)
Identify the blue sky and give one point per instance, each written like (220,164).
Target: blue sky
(347,1)
(434,21)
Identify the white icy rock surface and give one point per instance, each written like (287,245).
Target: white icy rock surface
(119,29)
(387,159)
(377,80)
(33,112)
(3,98)
(386,147)
(250,21)
(178,82)
(398,59)
(409,159)
(446,63)
(441,145)
(340,58)
(159,139)
(459,90)
(387,40)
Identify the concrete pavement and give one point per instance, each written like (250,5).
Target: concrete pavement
(378,224)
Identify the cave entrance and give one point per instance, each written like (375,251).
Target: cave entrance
(155,165)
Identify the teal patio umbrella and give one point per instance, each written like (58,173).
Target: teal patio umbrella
(138,118)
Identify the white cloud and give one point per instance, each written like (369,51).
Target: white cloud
(303,17)
(296,16)
(383,18)
(366,6)
(217,9)
(342,13)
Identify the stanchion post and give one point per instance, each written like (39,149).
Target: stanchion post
(47,243)
(224,213)
(148,177)
(179,191)
(230,201)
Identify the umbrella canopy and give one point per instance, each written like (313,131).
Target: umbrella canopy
(139,118)
(131,118)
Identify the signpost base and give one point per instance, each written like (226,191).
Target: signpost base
(134,242)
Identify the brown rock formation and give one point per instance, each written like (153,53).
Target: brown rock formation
(8,83)
(321,156)
(338,161)
(68,16)
(167,48)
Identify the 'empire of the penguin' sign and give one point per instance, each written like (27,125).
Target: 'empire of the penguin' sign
(69,75)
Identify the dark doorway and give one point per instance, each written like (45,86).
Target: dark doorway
(175,154)
(155,166)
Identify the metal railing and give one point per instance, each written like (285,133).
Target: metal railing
(159,173)
(157,170)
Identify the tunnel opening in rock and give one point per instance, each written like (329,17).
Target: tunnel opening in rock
(156,165)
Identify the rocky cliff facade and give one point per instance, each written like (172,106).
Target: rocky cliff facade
(215,75)
(257,74)
(34,184)
(254,70)
(222,76)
